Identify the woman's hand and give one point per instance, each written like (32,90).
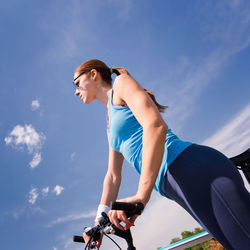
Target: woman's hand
(87,238)
(116,215)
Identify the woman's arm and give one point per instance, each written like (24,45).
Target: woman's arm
(154,132)
(112,179)
(111,183)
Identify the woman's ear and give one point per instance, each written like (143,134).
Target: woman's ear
(93,73)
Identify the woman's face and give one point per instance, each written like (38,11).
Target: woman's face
(85,86)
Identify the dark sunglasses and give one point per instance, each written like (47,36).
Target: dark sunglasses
(76,84)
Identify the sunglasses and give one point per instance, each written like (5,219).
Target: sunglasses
(77,84)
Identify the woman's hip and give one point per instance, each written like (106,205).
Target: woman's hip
(197,167)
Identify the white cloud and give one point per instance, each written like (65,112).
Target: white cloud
(36,160)
(58,189)
(234,137)
(73,217)
(73,156)
(35,105)
(25,136)
(33,194)
(45,191)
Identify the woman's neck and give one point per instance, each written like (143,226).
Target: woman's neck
(102,94)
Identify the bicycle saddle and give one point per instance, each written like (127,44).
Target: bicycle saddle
(242,159)
(242,162)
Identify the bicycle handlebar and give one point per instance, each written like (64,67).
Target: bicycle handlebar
(105,225)
(129,208)
(79,239)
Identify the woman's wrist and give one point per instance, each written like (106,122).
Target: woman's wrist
(144,198)
(101,208)
(134,199)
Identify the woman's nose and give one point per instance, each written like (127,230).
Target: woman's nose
(77,92)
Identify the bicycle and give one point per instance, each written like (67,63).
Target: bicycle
(241,162)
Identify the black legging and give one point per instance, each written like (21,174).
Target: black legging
(209,187)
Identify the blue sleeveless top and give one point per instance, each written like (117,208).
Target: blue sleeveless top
(125,136)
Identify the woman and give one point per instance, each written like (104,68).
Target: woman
(200,179)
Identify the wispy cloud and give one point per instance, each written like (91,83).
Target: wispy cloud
(234,137)
(70,38)
(72,217)
(58,189)
(35,105)
(16,213)
(20,211)
(181,101)
(225,26)
(77,35)
(26,137)
(36,160)
(33,195)
(73,156)
(45,191)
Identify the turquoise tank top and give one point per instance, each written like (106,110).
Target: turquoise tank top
(125,136)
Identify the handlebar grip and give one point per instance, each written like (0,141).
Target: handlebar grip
(129,208)
(77,238)
(122,206)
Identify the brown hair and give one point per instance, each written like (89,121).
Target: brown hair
(106,73)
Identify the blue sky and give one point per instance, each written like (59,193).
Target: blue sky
(195,57)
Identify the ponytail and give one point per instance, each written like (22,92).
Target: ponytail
(160,107)
(119,71)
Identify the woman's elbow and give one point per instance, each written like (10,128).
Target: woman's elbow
(164,130)
(162,127)
(113,178)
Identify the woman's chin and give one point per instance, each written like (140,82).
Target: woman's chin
(86,101)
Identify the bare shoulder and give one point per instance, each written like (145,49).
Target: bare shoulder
(118,88)
(124,80)
(139,102)
(124,83)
